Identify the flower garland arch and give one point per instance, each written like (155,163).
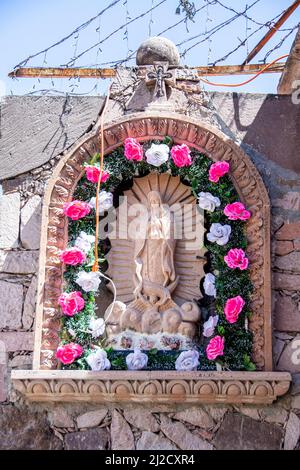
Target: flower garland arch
(226,342)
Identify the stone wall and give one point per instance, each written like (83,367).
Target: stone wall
(32,141)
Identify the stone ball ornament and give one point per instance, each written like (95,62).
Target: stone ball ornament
(157,49)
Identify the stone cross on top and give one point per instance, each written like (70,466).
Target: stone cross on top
(158,60)
(160,77)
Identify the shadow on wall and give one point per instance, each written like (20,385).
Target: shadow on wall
(270,124)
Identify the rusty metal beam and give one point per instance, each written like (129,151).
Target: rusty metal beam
(291,73)
(238,69)
(59,72)
(272,31)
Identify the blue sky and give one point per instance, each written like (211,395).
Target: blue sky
(27,26)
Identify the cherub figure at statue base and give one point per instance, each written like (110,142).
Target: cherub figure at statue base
(145,320)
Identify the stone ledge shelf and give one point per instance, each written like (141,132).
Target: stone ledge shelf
(164,387)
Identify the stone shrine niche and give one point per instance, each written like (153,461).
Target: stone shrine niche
(46,382)
(156,262)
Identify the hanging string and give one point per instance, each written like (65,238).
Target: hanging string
(95,267)
(151,19)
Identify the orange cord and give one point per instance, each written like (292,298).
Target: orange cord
(95,267)
(246,81)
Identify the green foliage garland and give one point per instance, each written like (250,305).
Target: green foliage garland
(229,282)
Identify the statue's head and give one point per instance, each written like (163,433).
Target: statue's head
(154,198)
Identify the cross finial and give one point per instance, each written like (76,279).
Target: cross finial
(160,77)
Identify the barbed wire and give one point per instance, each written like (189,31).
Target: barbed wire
(189,11)
(214,30)
(243,42)
(76,30)
(116,31)
(280,43)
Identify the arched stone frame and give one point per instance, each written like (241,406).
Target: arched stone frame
(200,136)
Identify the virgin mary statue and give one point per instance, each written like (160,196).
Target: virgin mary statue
(155,277)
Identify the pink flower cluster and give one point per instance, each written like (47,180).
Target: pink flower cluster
(217,170)
(133,150)
(236,259)
(68,353)
(233,308)
(71,303)
(181,155)
(236,211)
(215,347)
(76,209)
(72,256)
(93,172)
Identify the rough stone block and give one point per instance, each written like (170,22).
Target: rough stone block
(141,419)
(17,341)
(92,439)
(289,231)
(292,432)
(29,305)
(9,220)
(297,244)
(196,416)
(11,305)
(274,414)
(290,358)
(289,262)
(91,419)
(284,281)
(19,262)
(21,429)
(3,371)
(121,434)
(239,432)
(31,223)
(283,247)
(181,436)
(286,314)
(61,419)
(151,441)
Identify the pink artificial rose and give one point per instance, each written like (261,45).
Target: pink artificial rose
(181,155)
(93,172)
(76,209)
(236,258)
(71,303)
(215,347)
(233,308)
(72,256)
(217,170)
(133,150)
(68,353)
(236,211)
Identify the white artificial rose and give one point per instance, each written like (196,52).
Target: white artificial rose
(187,360)
(136,360)
(89,282)
(84,242)
(105,201)
(96,327)
(209,326)
(98,360)
(157,154)
(208,202)
(209,285)
(219,233)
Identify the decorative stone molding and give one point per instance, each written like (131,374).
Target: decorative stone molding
(168,387)
(197,135)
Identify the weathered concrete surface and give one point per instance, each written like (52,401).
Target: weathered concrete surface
(268,123)
(35,129)
(42,127)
